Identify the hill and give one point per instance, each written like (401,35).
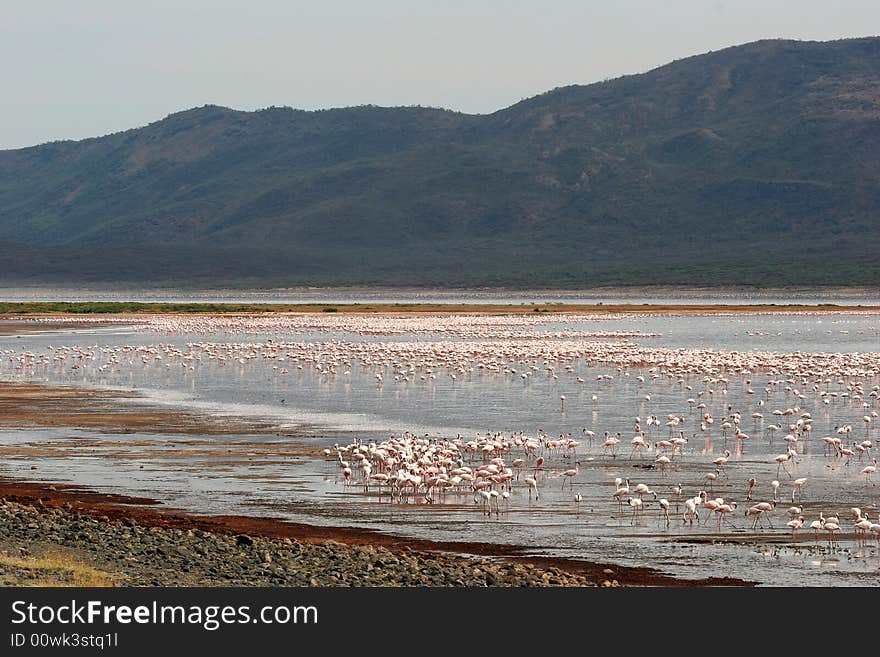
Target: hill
(758,164)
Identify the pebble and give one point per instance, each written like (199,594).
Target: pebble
(196,557)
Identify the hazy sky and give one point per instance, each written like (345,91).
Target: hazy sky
(78,68)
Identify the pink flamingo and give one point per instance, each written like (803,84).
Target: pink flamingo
(869,471)
(569,475)
(533,486)
(795,524)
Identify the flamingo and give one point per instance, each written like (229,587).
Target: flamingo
(722,511)
(380,478)
(710,478)
(797,489)
(712,506)
(533,486)
(664,509)
(863,526)
(752,483)
(775,485)
(758,510)
(782,459)
(662,461)
(571,474)
(869,471)
(494,495)
(795,524)
(643,489)
(721,461)
(621,492)
(539,465)
(611,443)
(485,501)
(690,506)
(639,443)
(830,527)
(636,505)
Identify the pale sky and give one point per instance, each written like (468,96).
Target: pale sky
(79,68)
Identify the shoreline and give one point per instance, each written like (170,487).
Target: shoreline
(30,315)
(102,291)
(109,509)
(28,406)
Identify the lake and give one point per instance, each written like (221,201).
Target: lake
(332,379)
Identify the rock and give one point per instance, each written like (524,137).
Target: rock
(214,560)
(608,571)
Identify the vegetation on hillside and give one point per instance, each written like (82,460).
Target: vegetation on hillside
(753,165)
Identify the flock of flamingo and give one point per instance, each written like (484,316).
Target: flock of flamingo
(497,473)
(489,469)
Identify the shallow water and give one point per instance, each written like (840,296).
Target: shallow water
(338,406)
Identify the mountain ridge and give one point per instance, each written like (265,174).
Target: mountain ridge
(710,167)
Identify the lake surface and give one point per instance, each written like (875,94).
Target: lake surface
(333,379)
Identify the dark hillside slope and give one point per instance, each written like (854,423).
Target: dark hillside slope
(758,164)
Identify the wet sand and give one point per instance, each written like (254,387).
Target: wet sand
(30,405)
(18,326)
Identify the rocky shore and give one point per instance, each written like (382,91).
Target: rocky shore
(129,554)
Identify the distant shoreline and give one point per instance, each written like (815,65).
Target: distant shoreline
(14,290)
(117,309)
